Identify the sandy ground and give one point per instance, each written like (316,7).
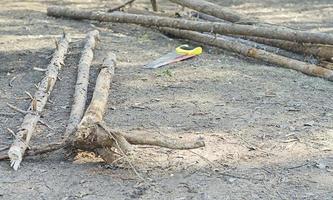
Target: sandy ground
(268,130)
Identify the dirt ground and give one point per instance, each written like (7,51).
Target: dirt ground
(268,130)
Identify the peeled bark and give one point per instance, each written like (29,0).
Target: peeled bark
(245,50)
(214,27)
(25,132)
(81,87)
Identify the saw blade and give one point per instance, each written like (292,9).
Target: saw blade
(169,58)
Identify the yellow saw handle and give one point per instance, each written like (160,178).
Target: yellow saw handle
(188,50)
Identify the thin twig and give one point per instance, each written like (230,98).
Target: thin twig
(18,109)
(15,136)
(45,124)
(7,114)
(39,69)
(4,148)
(11,81)
(31,97)
(121,6)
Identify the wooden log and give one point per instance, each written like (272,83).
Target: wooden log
(214,27)
(96,109)
(245,50)
(214,10)
(322,51)
(81,87)
(270,49)
(38,103)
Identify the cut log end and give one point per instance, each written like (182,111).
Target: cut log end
(15,156)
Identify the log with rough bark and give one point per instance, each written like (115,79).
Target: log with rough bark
(245,50)
(214,27)
(25,132)
(81,87)
(321,51)
(272,49)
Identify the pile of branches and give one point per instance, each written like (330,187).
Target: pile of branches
(86,129)
(217,26)
(227,29)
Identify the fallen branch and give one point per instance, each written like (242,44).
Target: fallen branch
(214,27)
(120,6)
(322,51)
(270,49)
(245,50)
(81,87)
(30,120)
(318,50)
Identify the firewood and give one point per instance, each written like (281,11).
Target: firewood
(214,27)
(30,120)
(321,51)
(245,50)
(81,86)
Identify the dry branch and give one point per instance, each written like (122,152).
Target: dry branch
(245,50)
(322,51)
(271,49)
(121,6)
(214,10)
(214,27)
(30,120)
(81,87)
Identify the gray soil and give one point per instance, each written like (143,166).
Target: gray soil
(268,130)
